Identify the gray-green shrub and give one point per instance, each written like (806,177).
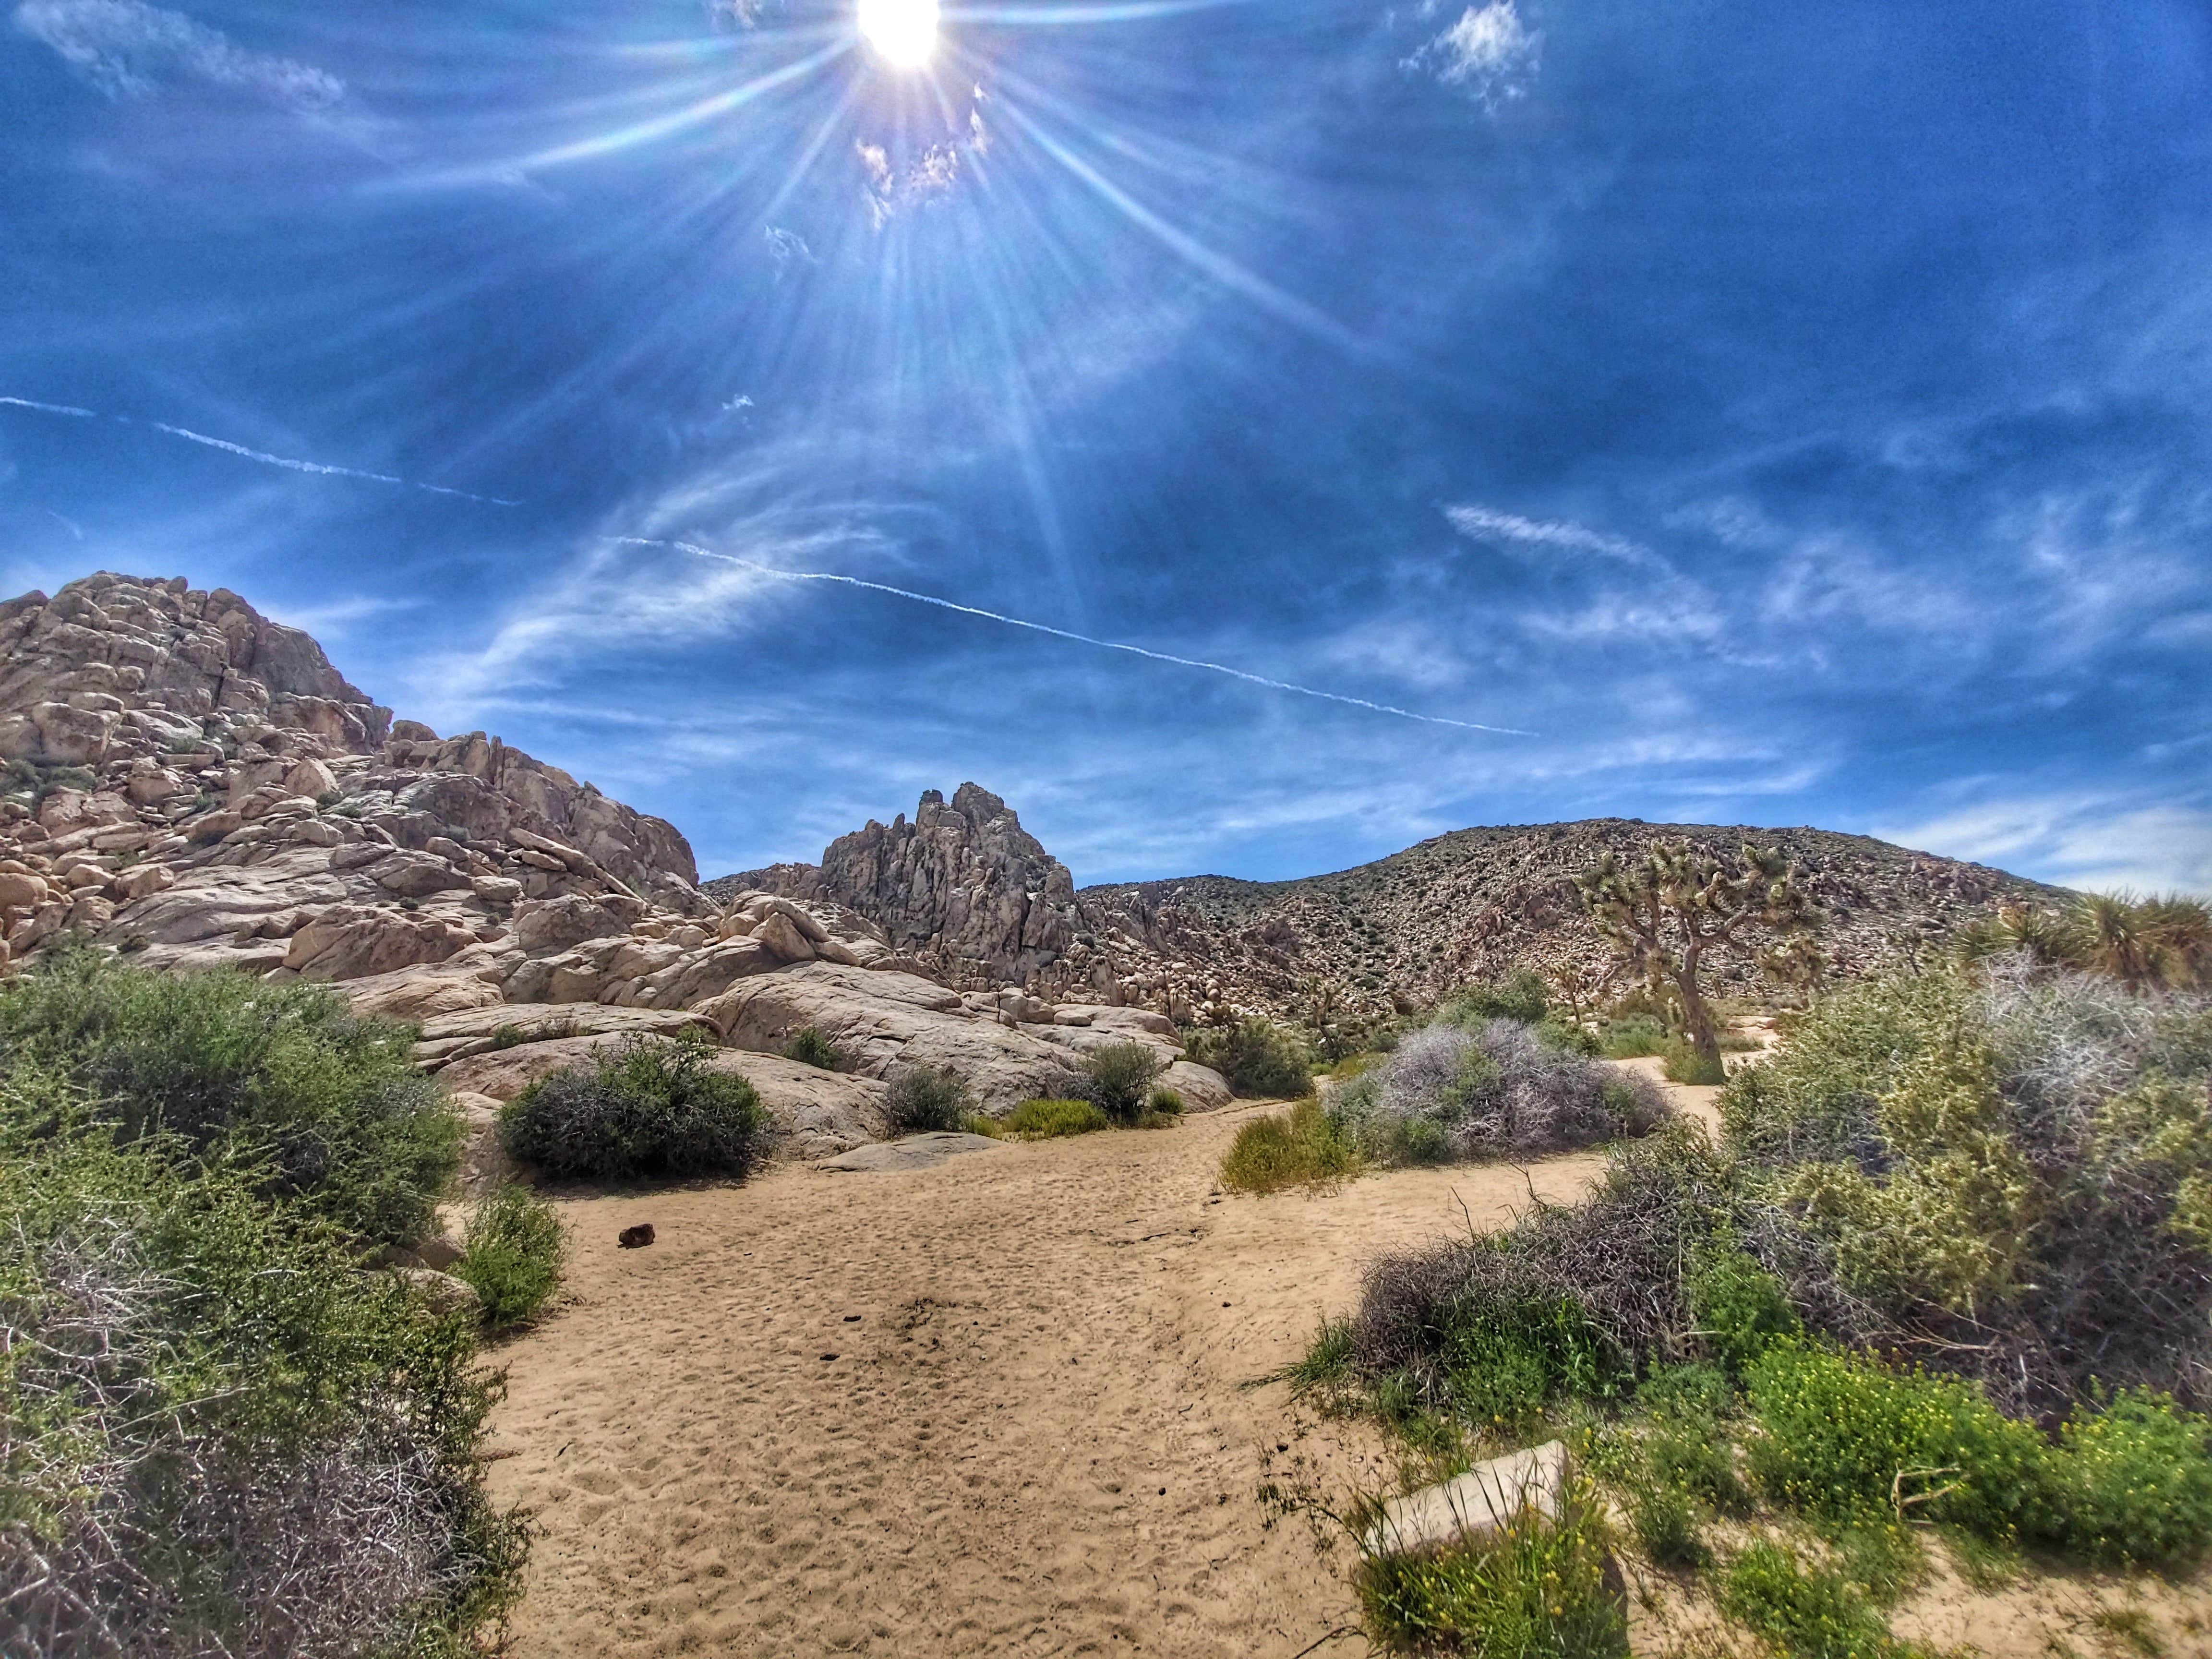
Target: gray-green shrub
(1450,1094)
(217,1434)
(810,1047)
(650,1106)
(923,1099)
(1261,1060)
(1117,1078)
(331,1109)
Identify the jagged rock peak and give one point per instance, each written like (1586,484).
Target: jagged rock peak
(962,886)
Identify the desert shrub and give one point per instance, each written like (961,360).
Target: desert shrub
(1846,1436)
(1522,998)
(1631,1037)
(975,1123)
(508,1036)
(1117,1078)
(511,1255)
(809,1046)
(329,1108)
(1686,1065)
(922,1099)
(1532,1589)
(1619,1255)
(1569,1036)
(220,1436)
(1296,1148)
(1805,1611)
(1447,1093)
(1739,1308)
(1261,1060)
(1163,1106)
(2133,1481)
(1048,1119)
(2014,1166)
(647,1107)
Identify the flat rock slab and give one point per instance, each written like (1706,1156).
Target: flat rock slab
(915,1152)
(1485,1500)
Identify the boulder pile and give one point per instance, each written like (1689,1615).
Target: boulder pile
(195,785)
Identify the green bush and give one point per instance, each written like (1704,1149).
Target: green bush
(1117,1078)
(1162,1107)
(1522,998)
(210,1411)
(1849,1438)
(1505,1363)
(1261,1060)
(1806,1613)
(329,1108)
(647,1107)
(925,1100)
(1631,1037)
(1686,1065)
(975,1123)
(1532,1590)
(1296,1148)
(1048,1119)
(809,1046)
(2133,1481)
(1740,1308)
(511,1254)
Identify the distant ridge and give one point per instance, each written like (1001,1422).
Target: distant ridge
(1397,933)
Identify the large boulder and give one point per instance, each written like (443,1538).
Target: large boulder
(884,1020)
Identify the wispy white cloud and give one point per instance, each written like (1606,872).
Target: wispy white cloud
(786,248)
(127,48)
(333,618)
(1487,524)
(2085,840)
(1489,50)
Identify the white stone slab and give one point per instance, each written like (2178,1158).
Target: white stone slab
(1485,1499)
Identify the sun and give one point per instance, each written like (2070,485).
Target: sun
(903,32)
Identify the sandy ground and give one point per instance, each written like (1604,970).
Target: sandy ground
(1004,1405)
(1000,1405)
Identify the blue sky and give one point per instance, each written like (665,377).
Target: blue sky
(1707,412)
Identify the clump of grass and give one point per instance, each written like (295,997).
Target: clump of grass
(975,1123)
(810,1047)
(2133,1481)
(1806,1612)
(1534,1588)
(1849,1438)
(647,1107)
(511,1255)
(1297,1148)
(1049,1119)
(925,1099)
(1163,1106)
(1632,1037)
(506,1036)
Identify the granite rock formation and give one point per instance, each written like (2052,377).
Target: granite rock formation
(195,785)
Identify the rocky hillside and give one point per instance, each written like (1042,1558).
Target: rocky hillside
(195,785)
(974,898)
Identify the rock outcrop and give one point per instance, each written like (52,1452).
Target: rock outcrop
(963,888)
(196,786)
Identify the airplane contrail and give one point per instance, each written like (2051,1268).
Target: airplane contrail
(49,409)
(1064,634)
(317,466)
(262,456)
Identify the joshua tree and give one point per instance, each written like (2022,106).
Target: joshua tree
(1667,912)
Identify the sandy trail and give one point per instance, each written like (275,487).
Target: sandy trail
(1036,1436)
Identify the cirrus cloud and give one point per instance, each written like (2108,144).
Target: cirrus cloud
(128,49)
